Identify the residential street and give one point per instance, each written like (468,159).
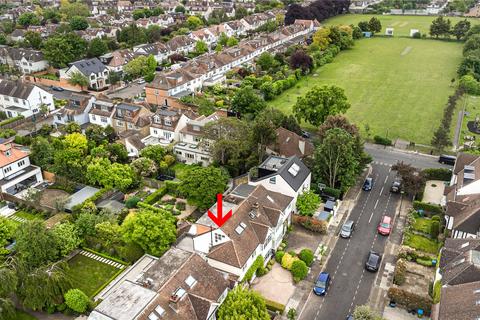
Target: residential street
(351,283)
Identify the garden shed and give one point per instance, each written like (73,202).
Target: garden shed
(79,197)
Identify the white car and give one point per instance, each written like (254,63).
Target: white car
(141,81)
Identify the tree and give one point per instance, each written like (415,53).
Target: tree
(374,25)
(114,77)
(201,47)
(413,180)
(472,45)
(153,231)
(440,27)
(34,39)
(202,185)
(232,41)
(61,49)
(154,152)
(72,127)
(461,28)
(242,303)
(246,101)
(132,35)
(154,33)
(7,231)
(69,157)
(363,25)
(301,60)
(73,9)
(307,203)
(102,172)
(96,48)
(66,238)
(223,39)
(266,61)
(336,163)
(180,9)
(118,152)
(144,167)
(35,245)
(78,23)
(365,313)
(320,102)
(42,152)
(77,78)
(240,12)
(140,66)
(263,133)
(322,38)
(76,300)
(28,19)
(194,22)
(52,15)
(441,138)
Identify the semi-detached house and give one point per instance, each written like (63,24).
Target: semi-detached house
(26,60)
(23,99)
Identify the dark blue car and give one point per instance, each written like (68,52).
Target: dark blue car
(322,283)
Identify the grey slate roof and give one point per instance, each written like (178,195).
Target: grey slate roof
(89,66)
(16,89)
(282,166)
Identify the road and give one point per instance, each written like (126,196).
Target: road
(351,283)
(390,156)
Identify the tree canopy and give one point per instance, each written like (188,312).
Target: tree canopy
(61,49)
(243,304)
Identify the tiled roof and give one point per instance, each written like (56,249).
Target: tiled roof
(460,302)
(16,89)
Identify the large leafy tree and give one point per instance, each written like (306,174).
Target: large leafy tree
(440,27)
(7,231)
(266,61)
(61,49)
(263,133)
(66,238)
(78,23)
(42,152)
(69,158)
(102,172)
(247,101)
(202,185)
(413,180)
(307,203)
(243,304)
(8,279)
(34,39)
(73,9)
(301,60)
(461,28)
(154,152)
(320,102)
(335,160)
(96,48)
(193,22)
(153,231)
(132,35)
(322,38)
(78,79)
(201,47)
(144,167)
(140,66)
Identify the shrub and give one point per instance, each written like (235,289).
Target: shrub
(76,300)
(156,196)
(132,202)
(181,206)
(336,193)
(410,300)
(417,35)
(306,255)
(299,270)
(253,268)
(427,207)
(292,314)
(261,271)
(436,218)
(307,203)
(288,260)
(399,276)
(292,253)
(311,223)
(424,262)
(382,140)
(279,255)
(274,306)
(10,120)
(437,289)
(438,174)
(411,254)
(435,229)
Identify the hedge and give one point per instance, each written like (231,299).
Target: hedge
(382,140)
(399,276)
(336,193)
(274,306)
(437,290)
(438,174)
(279,255)
(410,300)
(253,268)
(311,223)
(306,255)
(428,207)
(10,120)
(156,196)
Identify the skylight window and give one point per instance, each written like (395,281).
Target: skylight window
(476,291)
(239,229)
(160,310)
(271,199)
(152,316)
(190,281)
(466,244)
(294,169)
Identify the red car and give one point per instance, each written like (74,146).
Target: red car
(384,227)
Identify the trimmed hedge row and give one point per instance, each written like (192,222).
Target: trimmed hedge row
(410,300)
(253,268)
(310,223)
(274,306)
(438,174)
(428,207)
(382,140)
(10,120)
(333,192)
(155,196)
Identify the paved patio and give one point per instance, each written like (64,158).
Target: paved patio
(277,285)
(301,238)
(398,314)
(433,191)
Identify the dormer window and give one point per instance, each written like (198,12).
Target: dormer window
(168,122)
(196,128)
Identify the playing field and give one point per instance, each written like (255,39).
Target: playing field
(398,86)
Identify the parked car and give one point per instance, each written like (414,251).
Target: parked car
(55,88)
(322,283)
(385,226)
(350,317)
(306,134)
(164,177)
(396,186)
(368,184)
(141,81)
(446,159)
(347,229)
(373,261)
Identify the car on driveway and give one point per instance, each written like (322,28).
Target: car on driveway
(141,81)
(368,184)
(347,229)
(385,226)
(322,283)
(165,177)
(55,88)
(373,261)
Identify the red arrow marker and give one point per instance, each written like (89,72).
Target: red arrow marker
(220,219)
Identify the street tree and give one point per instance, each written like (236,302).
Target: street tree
(242,303)
(320,102)
(153,231)
(202,184)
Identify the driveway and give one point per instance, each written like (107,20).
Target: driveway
(433,191)
(300,238)
(277,285)
(132,90)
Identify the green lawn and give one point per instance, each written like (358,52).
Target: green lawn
(423,225)
(472,108)
(398,86)
(400,24)
(421,243)
(88,274)
(28,215)
(21,315)
(181,170)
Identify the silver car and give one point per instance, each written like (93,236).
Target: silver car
(347,229)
